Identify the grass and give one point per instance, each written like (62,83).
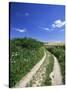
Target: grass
(24,54)
(48,64)
(59,52)
(49,68)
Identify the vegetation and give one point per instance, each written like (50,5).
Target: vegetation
(59,52)
(24,54)
(49,68)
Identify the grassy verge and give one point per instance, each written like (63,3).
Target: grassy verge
(49,69)
(24,54)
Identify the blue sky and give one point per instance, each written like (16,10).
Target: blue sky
(39,21)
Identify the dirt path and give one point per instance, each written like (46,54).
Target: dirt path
(40,75)
(56,73)
(23,82)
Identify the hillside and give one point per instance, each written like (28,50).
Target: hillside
(24,54)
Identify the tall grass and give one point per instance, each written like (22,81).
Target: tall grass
(24,54)
(59,52)
(49,68)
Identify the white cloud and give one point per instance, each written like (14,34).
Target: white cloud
(61,30)
(43,28)
(58,24)
(46,29)
(20,30)
(27,14)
